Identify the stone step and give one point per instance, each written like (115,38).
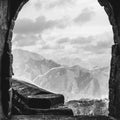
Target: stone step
(26,88)
(59,117)
(51,111)
(39,101)
(40,104)
(34,96)
(29,99)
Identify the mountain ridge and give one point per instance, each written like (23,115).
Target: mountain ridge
(73,82)
(27,65)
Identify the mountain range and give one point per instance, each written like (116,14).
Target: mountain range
(74,82)
(27,65)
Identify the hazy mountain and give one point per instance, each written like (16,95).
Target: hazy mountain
(73,61)
(75,82)
(28,65)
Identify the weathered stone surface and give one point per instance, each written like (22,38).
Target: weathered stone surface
(3,33)
(114,89)
(26,89)
(35,97)
(37,101)
(8,12)
(117,86)
(112,82)
(29,99)
(53,117)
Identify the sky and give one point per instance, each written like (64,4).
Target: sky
(66,31)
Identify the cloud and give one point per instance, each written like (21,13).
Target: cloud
(28,26)
(25,40)
(76,41)
(46,47)
(59,3)
(52,47)
(85,16)
(82,40)
(99,44)
(38,5)
(103,44)
(63,40)
(52,4)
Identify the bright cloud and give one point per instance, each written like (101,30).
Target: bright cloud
(85,16)
(28,26)
(69,29)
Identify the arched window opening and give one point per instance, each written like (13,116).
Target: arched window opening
(63,46)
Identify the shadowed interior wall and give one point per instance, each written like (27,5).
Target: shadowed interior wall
(3,32)
(112,8)
(9,10)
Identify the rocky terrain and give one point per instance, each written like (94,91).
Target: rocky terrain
(28,99)
(59,117)
(89,107)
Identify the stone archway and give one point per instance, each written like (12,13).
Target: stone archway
(9,11)
(112,9)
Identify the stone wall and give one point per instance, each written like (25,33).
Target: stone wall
(112,9)
(9,10)
(3,32)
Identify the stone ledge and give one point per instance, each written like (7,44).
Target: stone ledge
(53,117)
